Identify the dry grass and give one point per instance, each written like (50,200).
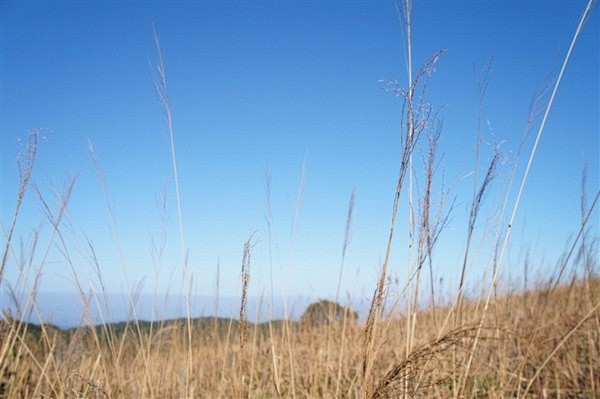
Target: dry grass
(544,342)
(532,344)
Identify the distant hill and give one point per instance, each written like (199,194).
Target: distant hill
(219,325)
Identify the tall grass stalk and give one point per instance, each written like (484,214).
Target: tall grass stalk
(524,178)
(581,236)
(19,328)
(431,224)
(293,235)
(410,132)
(479,189)
(416,117)
(132,294)
(55,220)
(270,223)
(25,162)
(159,77)
(245,278)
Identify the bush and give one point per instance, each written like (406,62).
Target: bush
(325,312)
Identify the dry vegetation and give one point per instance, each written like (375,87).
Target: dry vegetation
(538,344)
(504,343)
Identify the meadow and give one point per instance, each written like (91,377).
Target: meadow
(543,343)
(497,338)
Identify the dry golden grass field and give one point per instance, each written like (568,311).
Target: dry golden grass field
(493,339)
(544,343)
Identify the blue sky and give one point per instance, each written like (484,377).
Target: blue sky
(272,86)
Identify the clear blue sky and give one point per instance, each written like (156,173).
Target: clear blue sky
(268,86)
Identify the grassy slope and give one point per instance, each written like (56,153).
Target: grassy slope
(547,342)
